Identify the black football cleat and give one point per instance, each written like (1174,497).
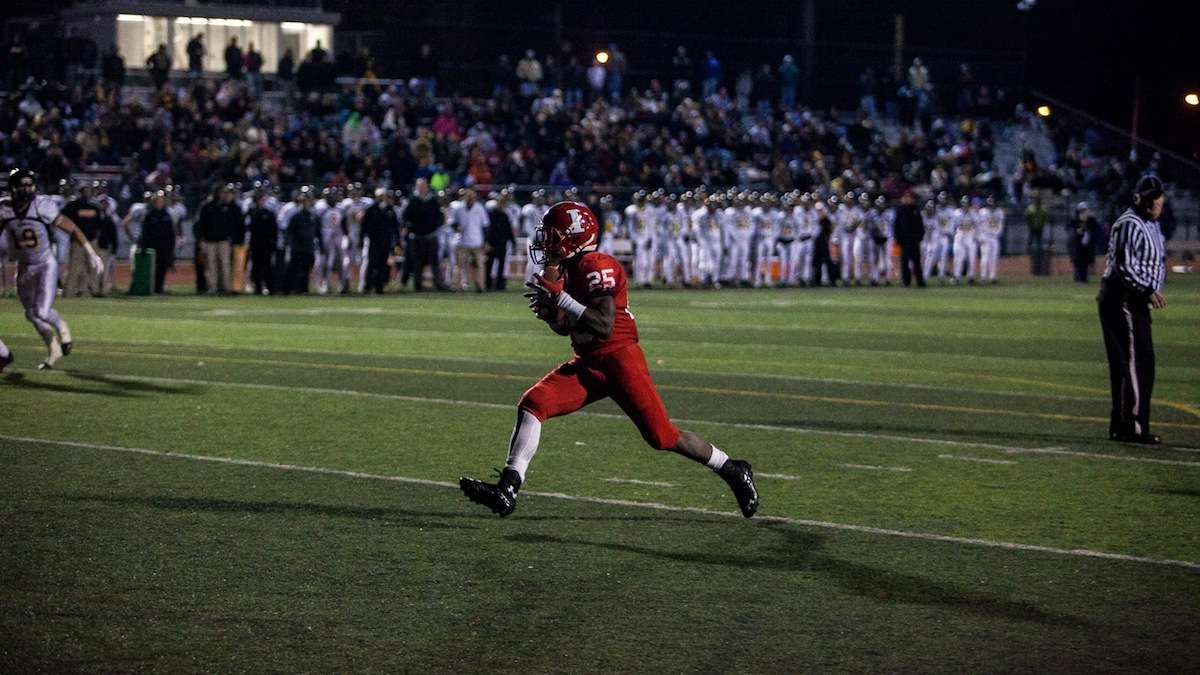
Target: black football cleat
(501,497)
(738,474)
(5,361)
(1141,439)
(67,347)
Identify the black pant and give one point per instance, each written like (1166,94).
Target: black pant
(201,279)
(1081,269)
(164,253)
(822,260)
(299,269)
(497,254)
(424,253)
(377,268)
(1125,320)
(262,273)
(910,263)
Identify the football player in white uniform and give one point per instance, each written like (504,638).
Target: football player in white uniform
(28,218)
(676,263)
(991,229)
(965,246)
(353,207)
(531,219)
(787,245)
(6,356)
(804,219)
(5,247)
(941,234)
(333,242)
(766,215)
(610,225)
(739,228)
(883,236)
(639,220)
(707,222)
(863,249)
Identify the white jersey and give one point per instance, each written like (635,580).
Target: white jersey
(805,222)
(739,225)
(610,223)
(30,231)
(640,224)
(944,219)
(531,218)
(354,207)
(284,215)
(991,222)
(178,212)
(331,221)
(964,223)
(771,225)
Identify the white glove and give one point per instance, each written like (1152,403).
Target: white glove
(96,263)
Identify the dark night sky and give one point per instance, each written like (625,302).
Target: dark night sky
(1086,53)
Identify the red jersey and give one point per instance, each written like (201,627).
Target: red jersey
(593,275)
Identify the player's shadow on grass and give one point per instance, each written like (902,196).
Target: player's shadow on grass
(795,550)
(133,386)
(416,519)
(112,387)
(19,380)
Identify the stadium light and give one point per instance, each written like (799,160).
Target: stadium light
(602,57)
(130,17)
(1192,99)
(1043,110)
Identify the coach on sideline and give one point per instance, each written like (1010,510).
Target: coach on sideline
(1132,284)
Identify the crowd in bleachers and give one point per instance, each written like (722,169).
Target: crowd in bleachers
(548,121)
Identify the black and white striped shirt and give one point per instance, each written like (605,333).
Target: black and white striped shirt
(1137,253)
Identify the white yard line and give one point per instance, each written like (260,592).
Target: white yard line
(635,481)
(981,460)
(874,467)
(905,534)
(584,413)
(1120,458)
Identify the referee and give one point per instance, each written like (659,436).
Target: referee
(1132,284)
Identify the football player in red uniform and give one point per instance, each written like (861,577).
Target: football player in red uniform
(584,294)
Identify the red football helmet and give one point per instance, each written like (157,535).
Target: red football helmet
(568,229)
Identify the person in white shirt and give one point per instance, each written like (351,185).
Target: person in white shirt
(470,219)
(610,225)
(739,234)
(965,243)
(804,220)
(707,222)
(991,229)
(940,230)
(531,219)
(641,228)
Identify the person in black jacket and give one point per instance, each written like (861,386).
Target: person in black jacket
(88,215)
(159,233)
(422,219)
(381,229)
(497,239)
(106,246)
(304,240)
(1082,241)
(909,230)
(821,259)
(219,225)
(263,233)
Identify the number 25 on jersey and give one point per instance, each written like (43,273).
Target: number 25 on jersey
(601,279)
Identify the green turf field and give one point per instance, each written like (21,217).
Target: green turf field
(268,484)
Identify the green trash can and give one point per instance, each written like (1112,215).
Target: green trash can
(143,273)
